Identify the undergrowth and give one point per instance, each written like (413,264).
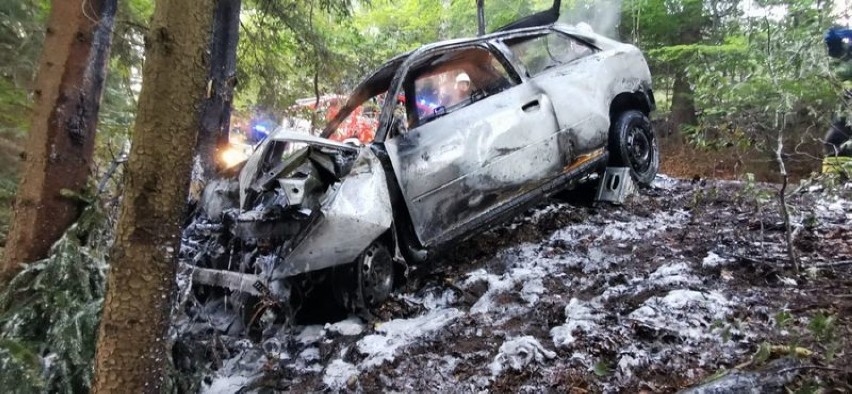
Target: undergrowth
(49,313)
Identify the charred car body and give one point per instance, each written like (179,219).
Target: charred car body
(545,107)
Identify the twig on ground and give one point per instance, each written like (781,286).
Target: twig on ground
(752,260)
(782,197)
(785,370)
(835,264)
(469,297)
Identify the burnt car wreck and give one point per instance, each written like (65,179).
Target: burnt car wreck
(285,207)
(533,111)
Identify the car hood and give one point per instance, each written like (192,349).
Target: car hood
(249,172)
(283,134)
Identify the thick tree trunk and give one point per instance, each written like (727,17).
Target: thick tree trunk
(61,142)
(131,350)
(216,114)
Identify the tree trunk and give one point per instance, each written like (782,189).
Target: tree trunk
(61,142)
(683,102)
(216,114)
(132,345)
(480,17)
(683,96)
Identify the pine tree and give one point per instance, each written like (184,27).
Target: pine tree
(61,142)
(49,312)
(132,349)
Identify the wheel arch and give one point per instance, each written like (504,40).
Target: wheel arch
(639,100)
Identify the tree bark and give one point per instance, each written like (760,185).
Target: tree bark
(216,114)
(683,96)
(60,146)
(132,346)
(683,102)
(480,17)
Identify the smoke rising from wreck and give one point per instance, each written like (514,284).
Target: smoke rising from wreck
(602,15)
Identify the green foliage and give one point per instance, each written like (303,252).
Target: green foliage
(118,103)
(461,15)
(13,121)
(822,326)
(753,72)
(602,369)
(732,48)
(641,21)
(293,50)
(299,49)
(817,339)
(49,313)
(764,350)
(21,35)
(8,186)
(783,319)
(751,92)
(21,25)
(752,193)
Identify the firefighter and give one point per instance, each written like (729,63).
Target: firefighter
(460,91)
(838,140)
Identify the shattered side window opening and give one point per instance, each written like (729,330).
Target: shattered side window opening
(360,124)
(453,80)
(542,52)
(291,148)
(280,152)
(375,86)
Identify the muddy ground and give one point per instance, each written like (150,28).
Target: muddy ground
(687,283)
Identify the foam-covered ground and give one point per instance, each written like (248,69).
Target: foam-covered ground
(681,283)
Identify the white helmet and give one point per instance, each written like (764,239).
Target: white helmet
(463,77)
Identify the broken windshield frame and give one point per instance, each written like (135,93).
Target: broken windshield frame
(375,84)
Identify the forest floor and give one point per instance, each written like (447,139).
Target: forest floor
(687,284)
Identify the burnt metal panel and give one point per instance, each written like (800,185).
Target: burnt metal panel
(283,134)
(418,55)
(581,168)
(543,18)
(582,91)
(251,169)
(250,175)
(463,164)
(355,213)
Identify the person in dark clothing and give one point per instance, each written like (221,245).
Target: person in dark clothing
(838,139)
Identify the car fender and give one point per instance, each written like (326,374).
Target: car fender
(353,215)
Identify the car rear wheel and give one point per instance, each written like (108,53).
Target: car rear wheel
(632,144)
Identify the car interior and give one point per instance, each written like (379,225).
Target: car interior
(430,85)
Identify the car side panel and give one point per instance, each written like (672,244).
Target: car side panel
(463,164)
(583,90)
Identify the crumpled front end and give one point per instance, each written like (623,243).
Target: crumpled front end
(304,208)
(354,213)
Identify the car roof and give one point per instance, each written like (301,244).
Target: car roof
(380,79)
(387,70)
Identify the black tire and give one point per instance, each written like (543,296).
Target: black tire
(633,144)
(368,282)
